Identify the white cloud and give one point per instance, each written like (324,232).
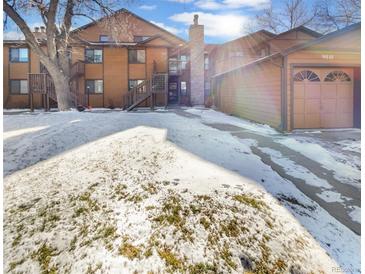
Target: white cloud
(169,29)
(148,7)
(228,25)
(231,4)
(181,1)
(13,35)
(208,4)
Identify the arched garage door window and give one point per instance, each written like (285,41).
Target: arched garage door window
(337,76)
(306,75)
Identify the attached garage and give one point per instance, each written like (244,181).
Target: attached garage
(314,85)
(323,97)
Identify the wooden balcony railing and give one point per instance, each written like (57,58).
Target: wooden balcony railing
(146,89)
(42,83)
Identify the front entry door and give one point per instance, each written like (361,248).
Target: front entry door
(173,97)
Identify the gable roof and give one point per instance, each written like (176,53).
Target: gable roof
(123,10)
(302,29)
(322,38)
(153,38)
(295,48)
(258,33)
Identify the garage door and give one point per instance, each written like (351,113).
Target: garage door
(323,98)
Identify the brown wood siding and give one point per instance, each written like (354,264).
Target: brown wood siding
(253,93)
(95,71)
(5,77)
(13,71)
(288,40)
(115,76)
(329,53)
(137,71)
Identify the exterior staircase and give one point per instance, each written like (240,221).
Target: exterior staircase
(42,83)
(146,90)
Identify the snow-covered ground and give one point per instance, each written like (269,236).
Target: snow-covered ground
(120,192)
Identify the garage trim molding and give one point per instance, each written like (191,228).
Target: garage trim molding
(307,65)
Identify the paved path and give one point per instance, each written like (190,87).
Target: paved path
(336,209)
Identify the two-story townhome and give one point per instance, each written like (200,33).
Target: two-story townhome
(106,64)
(295,79)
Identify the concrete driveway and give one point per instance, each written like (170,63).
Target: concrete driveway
(338,196)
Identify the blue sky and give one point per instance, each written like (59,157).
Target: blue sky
(224,20)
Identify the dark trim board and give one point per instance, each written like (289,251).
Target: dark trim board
(308,65)
(284,94)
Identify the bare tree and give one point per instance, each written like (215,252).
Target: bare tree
(291,14)
(58,17)
(336,14)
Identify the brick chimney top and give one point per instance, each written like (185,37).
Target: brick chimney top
(36,29)
(196,18)
(43,29)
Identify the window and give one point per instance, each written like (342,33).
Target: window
(19,86)
(337,76)
(184,60)
(133,83)
(104,38)
(183,88)
(94,86)
(94,55)
(306,75)
(173,67)
(136,56)
(206,62)
(140,38)
(19,55)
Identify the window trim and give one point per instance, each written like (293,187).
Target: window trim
(102,56)
(10,61)
(337,76)
(185,93)
(93,93)
(306,74)
(11,93)
(129,59)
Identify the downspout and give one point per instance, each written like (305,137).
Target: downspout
(283,88)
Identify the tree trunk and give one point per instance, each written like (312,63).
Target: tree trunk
(63,92)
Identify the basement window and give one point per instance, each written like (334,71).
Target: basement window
(136,56)
(94,56)
(19,55)
(133,83)
(19,87)
(94,86)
